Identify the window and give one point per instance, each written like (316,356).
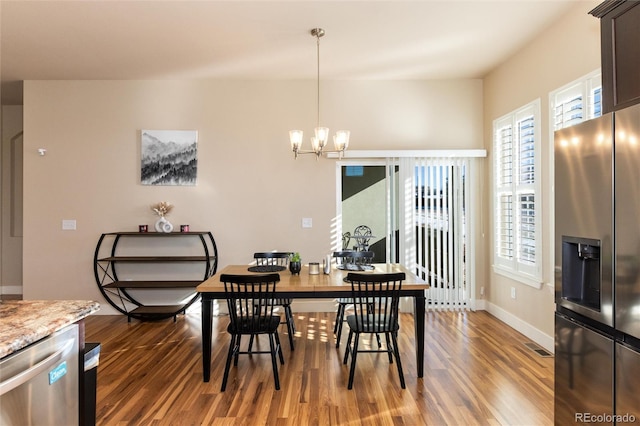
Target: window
(577,101)
(517,252)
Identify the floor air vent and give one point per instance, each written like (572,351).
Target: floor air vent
(539,350)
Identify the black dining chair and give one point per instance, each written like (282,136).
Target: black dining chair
(362,234)
(375,303)
(250,300)
(349,259)
(279,260)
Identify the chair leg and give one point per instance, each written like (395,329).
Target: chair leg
(371,308)
(339,334)
(291,328)
(337,328)
(290,316)
(237,354)
(274,363)
(279,348)
(354,356)
(250,343)
(396,352)
(339,318)
(348,348)
(227,365)
(389,348)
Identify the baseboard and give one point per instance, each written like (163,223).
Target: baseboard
(521,326)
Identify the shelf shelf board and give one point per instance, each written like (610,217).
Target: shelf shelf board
(155,259)
(153,284)
(157,309)
(157,234)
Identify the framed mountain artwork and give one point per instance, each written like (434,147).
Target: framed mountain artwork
(169,157)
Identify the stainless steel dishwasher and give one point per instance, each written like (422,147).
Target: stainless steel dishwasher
(39,385)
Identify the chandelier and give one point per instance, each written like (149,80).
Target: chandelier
(321,135)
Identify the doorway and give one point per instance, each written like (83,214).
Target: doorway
(11,156)
(417,211)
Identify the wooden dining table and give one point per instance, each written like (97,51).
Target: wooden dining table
(308,286)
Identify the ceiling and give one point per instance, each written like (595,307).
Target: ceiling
(233,39)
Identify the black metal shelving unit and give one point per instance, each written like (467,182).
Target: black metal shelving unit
(119,292)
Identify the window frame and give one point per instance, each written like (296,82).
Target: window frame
(509,184)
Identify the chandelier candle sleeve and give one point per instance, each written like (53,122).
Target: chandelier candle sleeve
(341,140)
(296,139)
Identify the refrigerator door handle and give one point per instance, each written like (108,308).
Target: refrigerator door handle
(24,376)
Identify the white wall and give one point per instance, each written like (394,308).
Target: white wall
(565,52)
(251,193)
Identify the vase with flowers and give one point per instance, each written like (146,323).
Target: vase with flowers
(162,209)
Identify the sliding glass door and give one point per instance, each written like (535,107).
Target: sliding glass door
(416,210)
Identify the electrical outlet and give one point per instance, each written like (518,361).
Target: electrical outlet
(513,292)
(307,222)
(481,291)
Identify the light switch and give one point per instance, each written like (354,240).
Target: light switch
(68,224)
(307,222)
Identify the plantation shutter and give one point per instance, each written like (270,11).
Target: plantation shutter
(526,196)
(505,228)
(516,209)
(578,101)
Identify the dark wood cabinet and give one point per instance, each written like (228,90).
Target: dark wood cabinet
(620,50)
(118,265)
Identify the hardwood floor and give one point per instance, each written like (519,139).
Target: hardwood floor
(477,371)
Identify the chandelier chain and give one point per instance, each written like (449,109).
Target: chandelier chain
(318,35)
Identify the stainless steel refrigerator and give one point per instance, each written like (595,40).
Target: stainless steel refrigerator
(597,270)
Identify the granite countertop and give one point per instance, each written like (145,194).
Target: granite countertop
(23,322)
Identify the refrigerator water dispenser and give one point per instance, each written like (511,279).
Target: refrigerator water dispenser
(581,271)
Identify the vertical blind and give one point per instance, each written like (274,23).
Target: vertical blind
(429,221)
(442,230)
